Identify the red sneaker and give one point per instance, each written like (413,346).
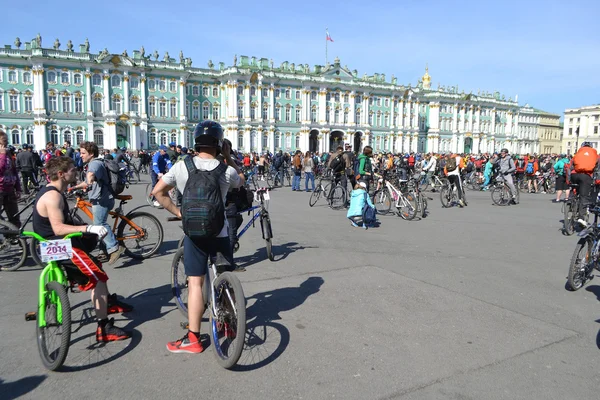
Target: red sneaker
(110,333)
(190,343)
(115,306)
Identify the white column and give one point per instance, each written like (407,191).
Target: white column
(259,107)
(105,83)
(247,144)
(415,121)
(462,127)
(182,108)
(223,102)
(39,108)
(352,111)
(247,103)
(90,131)
(494,120)
(272,106)
(364,115)
(455,118)
(88,93)
(322,106)
(476,140)
(126,94)
(134,136)
(143,101)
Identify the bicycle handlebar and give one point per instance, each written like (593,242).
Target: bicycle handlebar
(171,219)
(36,236)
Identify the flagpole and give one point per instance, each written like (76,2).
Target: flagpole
(326,59)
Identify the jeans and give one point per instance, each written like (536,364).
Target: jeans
(296,181)
(309,176)
(100,217)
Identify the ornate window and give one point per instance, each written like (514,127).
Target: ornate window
(288,141)
(116,104)
(134,82)
(359,98)
(77,80)
(173,137)
(195,110)
(67,136)
(16,136)
(78,103)
(371,118)
(215,92)
(298,94)
(277,111)
(97,105)
(277,93)
(313,114)
(29,136)
(252,91)
(265,112)
(52,102)
(240,140)
(173,109)
(152,137)
(240,90)
(265,92)
(13,101)
(51,77)
(327,112)
(162,109)
(336,116)
(337,96)
(99,137)
(12,76)
(163,138)
(328,96)
(298,114)
(346,98)
(64,78)
(151,84)
(253,112)
(162,85)
(346,116)
(297,141)
(265,141)
(115,81)
(288,94)
(27,77)
(54,136)
(386,121)
(215,111)
(357,116)
(195,91)
(28,103)
(173,86)
(277,140)
(288,113)
(205,91)
(152,107)
(96,80)
(313,95)
(205,110)
(79,137)
(241,110)
(134,105)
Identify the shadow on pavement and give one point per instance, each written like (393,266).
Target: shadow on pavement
(267,340)
(595,289)
(16,389)
(280,252)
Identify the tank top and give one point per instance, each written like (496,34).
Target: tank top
(42,225)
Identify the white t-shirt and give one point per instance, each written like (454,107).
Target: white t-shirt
(178,176)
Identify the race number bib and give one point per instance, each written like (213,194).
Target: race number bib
(265,196)
(55,250)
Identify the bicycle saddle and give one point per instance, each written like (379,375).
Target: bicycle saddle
(123,197)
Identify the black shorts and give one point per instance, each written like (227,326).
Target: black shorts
(195,255)
(561,182)
(261,169)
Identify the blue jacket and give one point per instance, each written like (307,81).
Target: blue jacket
(160,163)
(357,202)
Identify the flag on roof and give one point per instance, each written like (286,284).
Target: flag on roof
(328,37)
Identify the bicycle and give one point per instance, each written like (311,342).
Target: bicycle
(133,174)
(404,200)
(435,183)
(570,210)
(12,248)
(449,195)
(586,256)
(173,194)
(413,186)
(336,196)
(501,193)
(133,230)
(53,314)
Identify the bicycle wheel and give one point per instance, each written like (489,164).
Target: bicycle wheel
(314,197)
(581,264)
(267,231)
(382,201)
(446,196)
(288,180)
(149,198)
(423,206)
(179,282)
(34,250)
(569,217)
(140,245)
(338,198)
(228,326)
(53,339)
(408,207)
(499,196)
(13,249)
(269,179)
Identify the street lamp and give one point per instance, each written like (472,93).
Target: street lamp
(577,140)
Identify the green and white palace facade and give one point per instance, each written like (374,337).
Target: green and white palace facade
(140,101)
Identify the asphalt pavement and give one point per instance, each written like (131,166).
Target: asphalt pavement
(465,304)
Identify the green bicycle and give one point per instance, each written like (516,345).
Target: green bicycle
(53,328)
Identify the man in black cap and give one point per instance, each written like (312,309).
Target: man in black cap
(349,158)
(28,163)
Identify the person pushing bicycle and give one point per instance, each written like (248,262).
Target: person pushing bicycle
(51,220)
(197,193)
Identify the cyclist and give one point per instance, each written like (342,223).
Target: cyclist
(365,169)
(507,167)
(100,195)
(208,138)
(172,152)
(430,167)
(452,168)
(338,167)
(122,156)
(584,164)
(160,163)
(28,162)
(561,177)
(10,184)
(51,220)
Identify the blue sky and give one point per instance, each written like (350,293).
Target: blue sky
(547,52)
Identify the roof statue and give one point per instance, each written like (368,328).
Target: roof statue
(87,45)
(56,44)
(124,54)
(70,45)
(38,40)
(18,43)
(104,53)
(142,51)
(166,58)
(210,64)
(235,60)
(271,63)
(181,58)
(155,55)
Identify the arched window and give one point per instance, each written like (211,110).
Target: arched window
(288,94)
(288,113)
(80,137)
(288,141)
(16,136)
(205,110)
(66,102)
(99,137)
(215,92)
(51,77)
(96,80)
(163,138)
(152,137)
(77,79)
(277,93)
(346,116)
(346,98)
(29,136)
(297,142)
(277,140)
(134,82)
(337,96)
(215,111)
(173,137)
(12,76)
(240,110)
(67,136)
(54,136)
(116,104)
(162,85)
(265,142)
(205,91)
(298,114)
(64,78)
(240,140)
(265,112)
(26,77)
(358,116)
(253,111)
(240,90)
(252,91)
(313,114)
(173,86)
(152,84)
(313,95)
(97,104)
(173,108)
(135,105)
(115,81)
(336,116)
(195,110)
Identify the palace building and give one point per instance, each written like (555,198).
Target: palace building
(141,101)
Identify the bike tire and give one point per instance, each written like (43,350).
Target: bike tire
(152,224)
(382,201)
(227,350)
(148,196)
(13,249)
(569,217)
(408,211)
(338,198)
(579,274)
(267,231)
(179,284)
(34,251)
(269,179)
(314,197)
(446,196)
(499,196)
(54,359)
(288,180)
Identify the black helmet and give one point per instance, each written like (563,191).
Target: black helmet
(586,144)
(209,134)
(504,151)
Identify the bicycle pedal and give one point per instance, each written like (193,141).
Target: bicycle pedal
(30,316)
(184,325)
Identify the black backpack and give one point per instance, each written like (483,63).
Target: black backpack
(202,208)
(117,176)
(337,164)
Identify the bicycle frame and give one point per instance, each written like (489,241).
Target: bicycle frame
(86,207)
(397,195)
(255,216)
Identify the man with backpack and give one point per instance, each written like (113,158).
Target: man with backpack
(350,161)
(338,167)
(584,164)
(506,168)
(297,167)
(531,171)
(452,169)
(101,195)
(560,168)
(278,164)
(205,181)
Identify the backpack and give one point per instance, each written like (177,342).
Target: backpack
(278,162)
(337,164)
(369,214)
(470,166)
(117,176)
(202,208)
(521,164)
(451,164)
(585,160)
(411,161)
(529,169)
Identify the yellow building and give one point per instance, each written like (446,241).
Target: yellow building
(550,133)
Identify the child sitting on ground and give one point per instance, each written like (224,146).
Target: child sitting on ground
(358,199)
